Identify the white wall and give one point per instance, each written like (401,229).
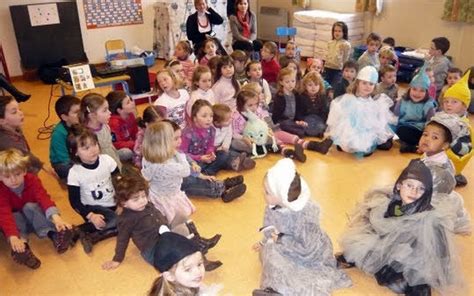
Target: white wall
(141,35)
(414,24)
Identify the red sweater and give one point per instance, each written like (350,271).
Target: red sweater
(124,132)
(270,70)
(10,202)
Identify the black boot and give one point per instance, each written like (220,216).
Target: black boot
(461,181)
(321,147)
(342,262)
(420,290)
(264,292)
(299,153)
(19,96)
(204,243)
(211,265)
(233,181)
(385,146)
(88,240)
(407,148)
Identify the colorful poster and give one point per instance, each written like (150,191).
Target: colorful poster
(81,77)
(107,13)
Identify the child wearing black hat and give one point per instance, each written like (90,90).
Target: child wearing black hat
(142,222)
(404,239)
(181,265)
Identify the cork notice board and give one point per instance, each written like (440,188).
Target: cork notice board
(106,13)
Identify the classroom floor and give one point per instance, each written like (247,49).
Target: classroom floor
(337,181)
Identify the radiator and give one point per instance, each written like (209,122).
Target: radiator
(268,19)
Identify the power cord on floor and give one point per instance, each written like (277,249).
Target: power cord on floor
(44,132)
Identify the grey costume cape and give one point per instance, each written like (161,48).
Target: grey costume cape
(301,262)
(418,245)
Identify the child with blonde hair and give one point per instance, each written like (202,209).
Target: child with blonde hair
(164,168)
(177,68)
(26,207)
(201,87)
(338,53)
(95,115)
(356,122)
(151,114)
(171,99)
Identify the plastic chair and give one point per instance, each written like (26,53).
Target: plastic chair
(288,32)
(115,46)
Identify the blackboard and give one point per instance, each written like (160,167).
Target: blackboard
(48,44)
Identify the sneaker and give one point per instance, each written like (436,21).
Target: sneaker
(299,153)
(234,192)
(86,242)
(233,181)
(26,258)
(461,181)
(62,240)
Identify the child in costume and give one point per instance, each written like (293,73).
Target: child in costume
(296,253)
(181,265)
(359,124)
(414,109)
(401,239)
(456,100)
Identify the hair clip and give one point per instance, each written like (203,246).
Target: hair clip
(88,110)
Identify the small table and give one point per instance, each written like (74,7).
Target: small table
(98,82)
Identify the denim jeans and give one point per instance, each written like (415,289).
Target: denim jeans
(220,163)
(32,218)
(316,125)
(195,186)
(109,215)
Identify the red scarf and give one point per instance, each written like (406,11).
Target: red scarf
(244,21)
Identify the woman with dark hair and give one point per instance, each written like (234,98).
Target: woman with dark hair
(243,24)
(9,87)
(199,25)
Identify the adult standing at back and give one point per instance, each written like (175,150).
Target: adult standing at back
(243,25)
(199,25)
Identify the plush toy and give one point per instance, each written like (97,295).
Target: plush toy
(257,130)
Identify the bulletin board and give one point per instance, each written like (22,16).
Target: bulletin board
(107,13)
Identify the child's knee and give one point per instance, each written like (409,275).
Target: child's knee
(31,207)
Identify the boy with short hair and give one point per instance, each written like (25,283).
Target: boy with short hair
(388,84)
(270,66)
(240,59)
(291,52)
(26,207)
(349,72)
(456,101)
(123,124)
(371,57)
(438,61)
(67,108)
(454,75)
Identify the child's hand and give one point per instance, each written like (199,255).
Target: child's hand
(195,168)
(207,158)
(205,177)
(301,123)
(98,220)
(17,244)
(248,141)
(257,247)
(109,265)
(59,223)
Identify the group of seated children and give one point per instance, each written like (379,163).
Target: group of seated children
(221,114)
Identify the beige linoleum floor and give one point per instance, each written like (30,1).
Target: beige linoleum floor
(337,182)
